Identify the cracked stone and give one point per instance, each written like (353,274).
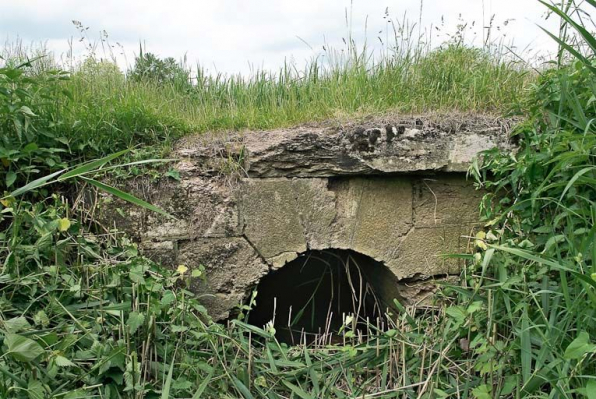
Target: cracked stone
(232,266)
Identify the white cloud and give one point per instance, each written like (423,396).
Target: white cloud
(229,35)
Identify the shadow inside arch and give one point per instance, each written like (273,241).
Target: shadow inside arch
(312,297)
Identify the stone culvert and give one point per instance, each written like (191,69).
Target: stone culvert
(248,203)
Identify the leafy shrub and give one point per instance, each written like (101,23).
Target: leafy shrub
(82,314)
(537,262)
(30,139)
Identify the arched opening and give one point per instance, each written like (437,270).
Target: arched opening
(311,298)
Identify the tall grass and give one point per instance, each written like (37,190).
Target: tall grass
(107,110)
(536,268)
(122,112)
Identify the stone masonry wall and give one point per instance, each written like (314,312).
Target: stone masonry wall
(246,205)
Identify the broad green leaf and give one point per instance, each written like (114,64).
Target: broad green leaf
(196,273)
(591,388)
(579,347)
(135,320)
(78,394)
(16,324)
(136,276)
(35,390)
(475,306)
(543,229)
(27,111)
(22,348)
(509,385)
(457,313)
(482,392)
(176,328)
(41,319)
(168,298)
(174,174)
(61,361)
(30,147)
(126,197)
(182,383)
(11,177)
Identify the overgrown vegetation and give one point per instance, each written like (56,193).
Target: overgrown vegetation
(83,314)
(159,100)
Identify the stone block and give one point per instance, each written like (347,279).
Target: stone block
(232,267)
(317,211)
(271,219)
(383,215)
(445,200)
(421,253)
(164,252)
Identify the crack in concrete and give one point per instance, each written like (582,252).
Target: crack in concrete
(357,215)
(256,251)
(300,216)
(417,278)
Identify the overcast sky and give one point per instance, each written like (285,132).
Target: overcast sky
(230,36)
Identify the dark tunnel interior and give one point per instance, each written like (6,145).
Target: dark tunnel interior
(310,297)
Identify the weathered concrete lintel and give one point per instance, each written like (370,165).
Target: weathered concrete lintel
(401,145)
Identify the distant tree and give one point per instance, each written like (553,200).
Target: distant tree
(149,67)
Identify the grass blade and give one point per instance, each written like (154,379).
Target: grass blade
(165,392)
(91,166)
(298,391)
(42,181)
(203,385)
(242,388)
(127,197)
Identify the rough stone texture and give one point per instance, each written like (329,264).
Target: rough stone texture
(316,207)
(250,203)
(383,216)
(375,216)
(231,265)
(420,253)
(445,200)
(271,220)
(398,145)
(203,207)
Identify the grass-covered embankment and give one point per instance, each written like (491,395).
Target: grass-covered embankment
(105,111)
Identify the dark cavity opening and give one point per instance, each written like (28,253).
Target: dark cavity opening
(309,299)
